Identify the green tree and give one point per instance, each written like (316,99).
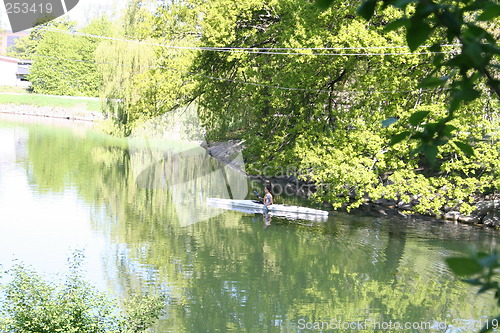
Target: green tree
(319,111)
(123,62)
(23,48)
(143,79)
(64,62)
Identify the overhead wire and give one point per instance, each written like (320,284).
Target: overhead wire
(271,51)
(244,82)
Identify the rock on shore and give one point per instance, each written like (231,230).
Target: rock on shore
(487,212)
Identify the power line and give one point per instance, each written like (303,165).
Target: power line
(270,51)
(245,82)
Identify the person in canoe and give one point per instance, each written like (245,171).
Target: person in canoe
(268,197)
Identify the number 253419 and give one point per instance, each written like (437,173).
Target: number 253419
(25,8)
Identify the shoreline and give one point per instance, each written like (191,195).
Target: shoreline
(486,213)
(67,113)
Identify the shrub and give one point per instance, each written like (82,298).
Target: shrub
(31,303)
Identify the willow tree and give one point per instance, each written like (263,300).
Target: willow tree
(123,59)
(122,64)
(169,85)
(145,66)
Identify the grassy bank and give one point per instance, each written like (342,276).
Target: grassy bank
(11,89)
(53,101)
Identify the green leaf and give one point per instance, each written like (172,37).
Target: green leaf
(440,142)
(474,282)
(473,53)
(465,148)
(417,117)
(476,31)
(452,22)
(469,94)
(324,4)
(425,8)
(399,137)
(403,3)
(489,13)
(430,152)
(458,61)
(367,9)
(448,129)
(388,122)
(455,102)
(432,82)
(417,33)
(438,60)
(493,49)
(436,47)
(463,266)
(396,24)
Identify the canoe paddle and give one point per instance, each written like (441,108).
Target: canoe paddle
(258,196)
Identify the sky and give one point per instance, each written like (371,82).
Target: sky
(83,11)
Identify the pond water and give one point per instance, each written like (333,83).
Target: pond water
(141,221)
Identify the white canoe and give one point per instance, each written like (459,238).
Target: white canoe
(250,206)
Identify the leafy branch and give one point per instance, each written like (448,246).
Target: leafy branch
(475,61)
(479,269)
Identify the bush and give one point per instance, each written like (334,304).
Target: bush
(32,304)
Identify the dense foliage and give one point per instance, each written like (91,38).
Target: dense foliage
(64,63)
(33,304)
(324,95)
(333,128)
(463,72)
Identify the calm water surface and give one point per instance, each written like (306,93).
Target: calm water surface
(140,226)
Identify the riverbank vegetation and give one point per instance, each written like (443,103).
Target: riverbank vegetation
(30,303)
(332,98)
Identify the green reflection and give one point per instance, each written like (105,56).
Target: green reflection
(229,272)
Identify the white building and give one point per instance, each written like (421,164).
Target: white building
(13,71)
